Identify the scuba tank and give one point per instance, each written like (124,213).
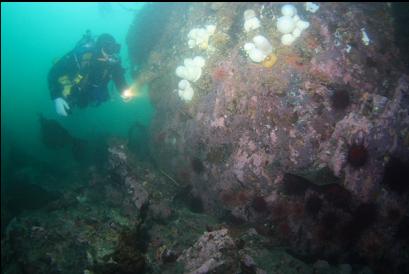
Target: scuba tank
(83,52)
(85,44)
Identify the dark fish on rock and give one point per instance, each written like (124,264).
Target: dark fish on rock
(55,136)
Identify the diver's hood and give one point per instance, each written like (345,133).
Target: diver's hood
(108,44)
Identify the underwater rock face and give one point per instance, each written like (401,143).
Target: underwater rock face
(332,100)
(303,114)
(214,252)
(118,163)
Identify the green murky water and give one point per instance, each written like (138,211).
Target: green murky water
(33,36)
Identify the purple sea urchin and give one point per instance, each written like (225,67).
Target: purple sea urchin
(357,155)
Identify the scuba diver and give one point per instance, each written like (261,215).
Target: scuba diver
(81,77)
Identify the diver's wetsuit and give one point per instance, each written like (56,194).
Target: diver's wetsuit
(81,77)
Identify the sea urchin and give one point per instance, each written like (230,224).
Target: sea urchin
(357,155)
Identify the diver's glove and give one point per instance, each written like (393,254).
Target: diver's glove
(61,106)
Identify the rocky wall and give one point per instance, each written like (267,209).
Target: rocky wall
(306,143)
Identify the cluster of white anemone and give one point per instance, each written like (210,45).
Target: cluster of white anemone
(259,49)
(189,72)
(199,37)
(251,22)
(290,25)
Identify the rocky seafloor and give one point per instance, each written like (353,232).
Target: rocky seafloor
(295,165)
